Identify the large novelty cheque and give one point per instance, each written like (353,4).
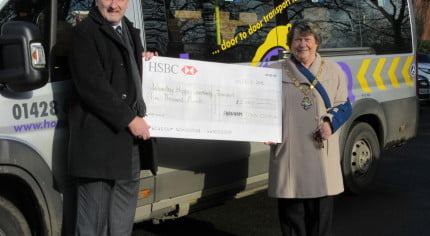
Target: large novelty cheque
(206,100)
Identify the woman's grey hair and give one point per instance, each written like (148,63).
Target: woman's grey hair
(304,27)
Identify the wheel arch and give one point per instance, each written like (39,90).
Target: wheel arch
(368,111)
(27,181)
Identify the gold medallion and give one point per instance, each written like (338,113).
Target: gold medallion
(307,103)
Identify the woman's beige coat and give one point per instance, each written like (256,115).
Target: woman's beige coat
(298,167)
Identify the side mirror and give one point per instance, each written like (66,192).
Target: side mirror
(22,57)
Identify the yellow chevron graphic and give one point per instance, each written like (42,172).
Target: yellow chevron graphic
(405,71)
(392,72)
(377,74)
(360,76)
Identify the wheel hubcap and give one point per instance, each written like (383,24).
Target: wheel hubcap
(361,157)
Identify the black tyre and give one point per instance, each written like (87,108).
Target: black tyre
(12,222)
(360,157)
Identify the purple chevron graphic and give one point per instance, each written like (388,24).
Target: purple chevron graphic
(348,73)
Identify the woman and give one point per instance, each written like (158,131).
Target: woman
(305,172)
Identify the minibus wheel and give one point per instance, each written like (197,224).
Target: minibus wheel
(12,221)
(360,157)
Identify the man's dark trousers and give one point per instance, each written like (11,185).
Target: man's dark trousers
(104,206)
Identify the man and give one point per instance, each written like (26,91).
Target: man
(106,124)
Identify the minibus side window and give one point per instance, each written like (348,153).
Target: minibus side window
(336,19)
(156,30)
(224,31)
(386,26)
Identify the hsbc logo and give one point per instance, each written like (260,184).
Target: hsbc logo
(163,67)
(170,68)
(189,70)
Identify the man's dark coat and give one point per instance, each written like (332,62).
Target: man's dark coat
(100,142)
